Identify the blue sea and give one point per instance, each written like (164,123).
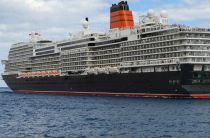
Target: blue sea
(70,116)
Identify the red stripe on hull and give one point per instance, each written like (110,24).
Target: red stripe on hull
(204,96)
(200,96)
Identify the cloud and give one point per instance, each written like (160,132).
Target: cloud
(38,11)
(3,27)
(52,17)
(188,10)
(56,18)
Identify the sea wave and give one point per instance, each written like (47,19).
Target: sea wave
(66,116)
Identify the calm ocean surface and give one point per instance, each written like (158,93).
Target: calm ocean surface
(60,116)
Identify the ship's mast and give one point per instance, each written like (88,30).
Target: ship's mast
(85,25)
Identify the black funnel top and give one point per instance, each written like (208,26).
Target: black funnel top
(123,5)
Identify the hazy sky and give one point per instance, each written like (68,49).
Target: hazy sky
(56,18)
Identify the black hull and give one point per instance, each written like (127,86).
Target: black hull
(162,84)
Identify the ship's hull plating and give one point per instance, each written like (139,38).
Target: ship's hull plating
(165,84)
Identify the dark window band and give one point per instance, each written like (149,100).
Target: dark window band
(44,53)
(47,48)
(74,42)
(72,47)
(112,41)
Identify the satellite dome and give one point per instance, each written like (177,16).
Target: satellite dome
(164,14)
(151,13)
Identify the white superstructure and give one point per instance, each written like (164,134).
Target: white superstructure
(150,46)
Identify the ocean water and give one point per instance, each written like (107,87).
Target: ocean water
(66,116)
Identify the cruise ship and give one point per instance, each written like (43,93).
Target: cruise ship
(150,59)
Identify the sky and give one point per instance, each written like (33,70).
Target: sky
(55,19)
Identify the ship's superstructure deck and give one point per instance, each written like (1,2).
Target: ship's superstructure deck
(152,47)
(168,45)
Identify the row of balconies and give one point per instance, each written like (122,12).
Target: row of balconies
(166,61)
